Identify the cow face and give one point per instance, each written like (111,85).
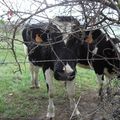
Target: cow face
(65,24)
(93,36)
(65,67)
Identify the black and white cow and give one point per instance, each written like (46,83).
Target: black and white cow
(47,48)
(101,54)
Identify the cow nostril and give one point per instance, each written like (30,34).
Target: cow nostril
(70,75)
(64,76)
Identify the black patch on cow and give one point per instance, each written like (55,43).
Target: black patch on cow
(40,54)
(65,18)
(106,54)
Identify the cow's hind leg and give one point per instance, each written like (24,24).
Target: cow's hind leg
(70,85)
(34,75)
(49,82)
(108,88)
(104,88)
(100,79)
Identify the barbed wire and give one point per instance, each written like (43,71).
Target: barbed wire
(93,15)
(12,62)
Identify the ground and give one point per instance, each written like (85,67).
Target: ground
(19,102)
(90,108)
(89,105)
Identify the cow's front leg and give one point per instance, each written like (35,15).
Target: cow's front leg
(49,82)
(34,75)
(70,85)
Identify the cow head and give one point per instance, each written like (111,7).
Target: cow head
(92,36)
(65,66)
(67,26)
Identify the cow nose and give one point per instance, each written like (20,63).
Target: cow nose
(65,76)
(70,76)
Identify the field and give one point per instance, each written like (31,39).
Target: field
(19,102)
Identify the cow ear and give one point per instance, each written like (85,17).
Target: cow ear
(89,39)
(38,38)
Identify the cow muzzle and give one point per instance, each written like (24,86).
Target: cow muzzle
(63,76)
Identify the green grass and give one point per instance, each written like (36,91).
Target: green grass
(17,99)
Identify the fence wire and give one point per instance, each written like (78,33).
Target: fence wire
(91,14)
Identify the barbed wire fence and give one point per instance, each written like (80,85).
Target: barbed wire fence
(92,14)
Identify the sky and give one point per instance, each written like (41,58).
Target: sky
(22,5)
(31,6)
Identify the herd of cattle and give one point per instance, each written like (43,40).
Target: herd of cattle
(60,45)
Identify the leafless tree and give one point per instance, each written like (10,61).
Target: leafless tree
(91,14)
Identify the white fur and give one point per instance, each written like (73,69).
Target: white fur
(118,47)
(99,78)
(64,27)
(25,49)
(70,85)
(51,109)
(107,74)
(67,68)
(49,80)
(34,75)
(95,50)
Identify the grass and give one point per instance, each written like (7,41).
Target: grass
(17,99)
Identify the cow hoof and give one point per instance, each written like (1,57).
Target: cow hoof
(37,87)
(50,116)
(32,87)
(76,117)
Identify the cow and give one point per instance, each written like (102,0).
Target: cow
(46,48)
(100,53)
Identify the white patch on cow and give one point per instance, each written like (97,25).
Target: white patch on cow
(67,68)
(107,38)
(49,80)
(95,50)
(25,50)
(109,75)
(51,109)
(103,79)
(64,27)
(34,75)
(99,78)
(118,47)
(70,85)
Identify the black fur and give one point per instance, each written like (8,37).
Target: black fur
(48,56)
(106,54)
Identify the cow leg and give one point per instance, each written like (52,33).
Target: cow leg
(49,82)
(100,79)
(104,88)
(70,85)
(34,75)
(108,89)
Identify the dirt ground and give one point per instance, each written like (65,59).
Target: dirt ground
(90,108)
